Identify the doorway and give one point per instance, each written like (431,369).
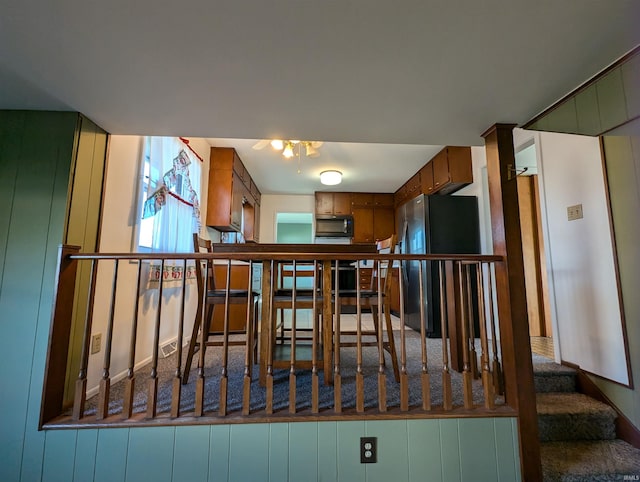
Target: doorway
(533,250)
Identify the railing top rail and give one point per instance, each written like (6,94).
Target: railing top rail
(267,256)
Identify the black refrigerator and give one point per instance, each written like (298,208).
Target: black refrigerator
(435,224)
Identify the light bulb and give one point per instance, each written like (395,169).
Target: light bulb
(288,151)
(277,144)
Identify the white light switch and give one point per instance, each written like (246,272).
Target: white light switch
(574,212)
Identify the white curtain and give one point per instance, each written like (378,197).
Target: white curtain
(172,201)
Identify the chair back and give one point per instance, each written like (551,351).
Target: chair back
(380,268)
(201,245)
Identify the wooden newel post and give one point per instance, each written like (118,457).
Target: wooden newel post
(511,294)
(56,369)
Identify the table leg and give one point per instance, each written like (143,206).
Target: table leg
(327,324)
(266,341)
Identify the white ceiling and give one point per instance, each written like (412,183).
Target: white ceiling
(416,72)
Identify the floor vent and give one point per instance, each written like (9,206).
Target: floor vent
(169,349)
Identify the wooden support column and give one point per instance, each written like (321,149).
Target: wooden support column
(511,294)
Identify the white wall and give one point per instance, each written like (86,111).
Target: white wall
(580,256)
(271,204)
(117,236)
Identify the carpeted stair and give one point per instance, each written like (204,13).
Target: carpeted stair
(577,432)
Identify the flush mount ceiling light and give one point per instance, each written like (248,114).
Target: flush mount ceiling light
(331,177)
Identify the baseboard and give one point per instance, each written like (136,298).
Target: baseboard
(123,374)
(625,430)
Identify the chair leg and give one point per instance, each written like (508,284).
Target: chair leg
(192,347)
(374,314)
(391,343)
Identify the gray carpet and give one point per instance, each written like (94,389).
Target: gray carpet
(578,432)
(167,368)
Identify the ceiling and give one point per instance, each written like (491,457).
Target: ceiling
(403,76)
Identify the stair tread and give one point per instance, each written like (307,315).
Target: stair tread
(585,460)
(561,403)
(552,369)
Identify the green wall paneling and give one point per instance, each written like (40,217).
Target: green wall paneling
(631,84)
(563,118)
(111,455)
(279,451)
(423,440)
(150,454)
(249,452)
(478,449)
(508,464)
(191,453)
(349,467)
(83,226)
(59,456)
(450,450)
(303,451)
(392,459)
(40,151)
(611,101)
(587,111)
(85,457)
(219,453)
(327,451)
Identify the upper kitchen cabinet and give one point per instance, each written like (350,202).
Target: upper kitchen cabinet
(448,171)
(452,169)
(333,203)
(233,196)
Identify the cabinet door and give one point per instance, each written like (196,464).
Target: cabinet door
(256,225)
(426,178)
(460,165)
(237,193)
(341,203)
(383,222)
(363,225)
(383,200)
(440,170)
(324,203)
(361,199)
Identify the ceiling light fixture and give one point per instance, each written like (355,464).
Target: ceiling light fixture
(330,177)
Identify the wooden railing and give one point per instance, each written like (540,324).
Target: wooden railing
(461,377)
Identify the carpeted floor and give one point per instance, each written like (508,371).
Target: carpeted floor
(167,369)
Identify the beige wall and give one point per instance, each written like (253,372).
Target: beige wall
(117,235)
(272,204)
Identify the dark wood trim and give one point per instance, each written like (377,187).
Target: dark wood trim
(58,350)
(616,265)
(511,294)
(625,429)
(582,87)
(328,415)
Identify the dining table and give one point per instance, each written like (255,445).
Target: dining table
(272,254)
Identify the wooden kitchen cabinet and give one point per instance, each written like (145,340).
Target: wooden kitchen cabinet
(362,199)
(426,178)
(383,200)
(230,191)
(362,225)
(452,169)
(384,220)
(333,203)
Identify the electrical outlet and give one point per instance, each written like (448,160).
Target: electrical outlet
(574,212)
(96,343)
(368,450)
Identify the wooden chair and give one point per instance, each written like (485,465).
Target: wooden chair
(369,300)
(217,296)
(282,300)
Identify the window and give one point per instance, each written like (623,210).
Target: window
(169,209)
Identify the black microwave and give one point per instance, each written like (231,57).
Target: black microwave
(328,226)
